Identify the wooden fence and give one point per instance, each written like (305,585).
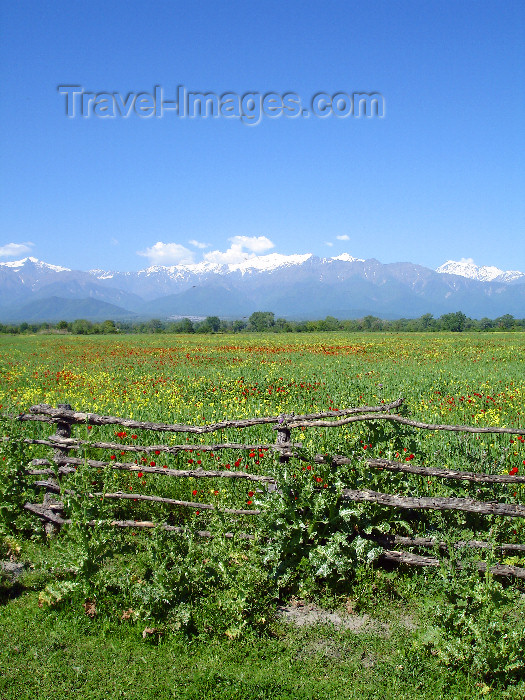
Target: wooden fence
(51,510)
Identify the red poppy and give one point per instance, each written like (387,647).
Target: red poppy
(140,475)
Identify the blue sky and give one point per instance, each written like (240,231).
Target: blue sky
(440,176)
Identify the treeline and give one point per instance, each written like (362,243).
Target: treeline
(265,321)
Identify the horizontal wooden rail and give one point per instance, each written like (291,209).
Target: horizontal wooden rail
(73,444)
(49,414)
(295,422)
(416,560)
(136,524)
(438,503)
(476,477)
(132,467)
(55,488)
(387,540)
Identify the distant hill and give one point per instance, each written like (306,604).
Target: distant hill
(54,309)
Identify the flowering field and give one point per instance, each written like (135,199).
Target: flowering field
(463,378)
(466,379)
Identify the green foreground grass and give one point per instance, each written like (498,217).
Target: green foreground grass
(61,655)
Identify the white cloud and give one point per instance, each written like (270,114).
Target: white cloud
(198,244)
(257,244)
(168,254)
(11,250)
(328,243)
(470,261)
(344,237)
(236,252)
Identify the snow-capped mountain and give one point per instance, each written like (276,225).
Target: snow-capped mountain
(295,286)
(485,273)
(33,262)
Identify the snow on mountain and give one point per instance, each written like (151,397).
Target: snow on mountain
(261,263)
(101,274)
(346,257)
(272,261)
(486,273)
(19,264)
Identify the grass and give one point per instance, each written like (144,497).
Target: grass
(61,655)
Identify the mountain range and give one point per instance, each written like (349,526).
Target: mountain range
(292,286)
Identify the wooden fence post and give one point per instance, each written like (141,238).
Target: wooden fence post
(51,503)
(283,438)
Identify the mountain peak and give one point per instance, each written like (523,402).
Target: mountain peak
(466,267)
(346,257)
(30,261)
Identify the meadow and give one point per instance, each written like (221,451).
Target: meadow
(226,590)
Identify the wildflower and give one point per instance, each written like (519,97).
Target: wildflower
(112,457)
(249,503)
(514,470)
(157,452)
(250,494)
(140,475)
(194,492)
(133,437)
(152,464)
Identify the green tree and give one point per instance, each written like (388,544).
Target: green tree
(155,325)
(81,327)
(261,320)
(506,322)
(214,322)
(186,326)
(455,322)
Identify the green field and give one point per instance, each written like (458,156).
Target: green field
(214,599)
